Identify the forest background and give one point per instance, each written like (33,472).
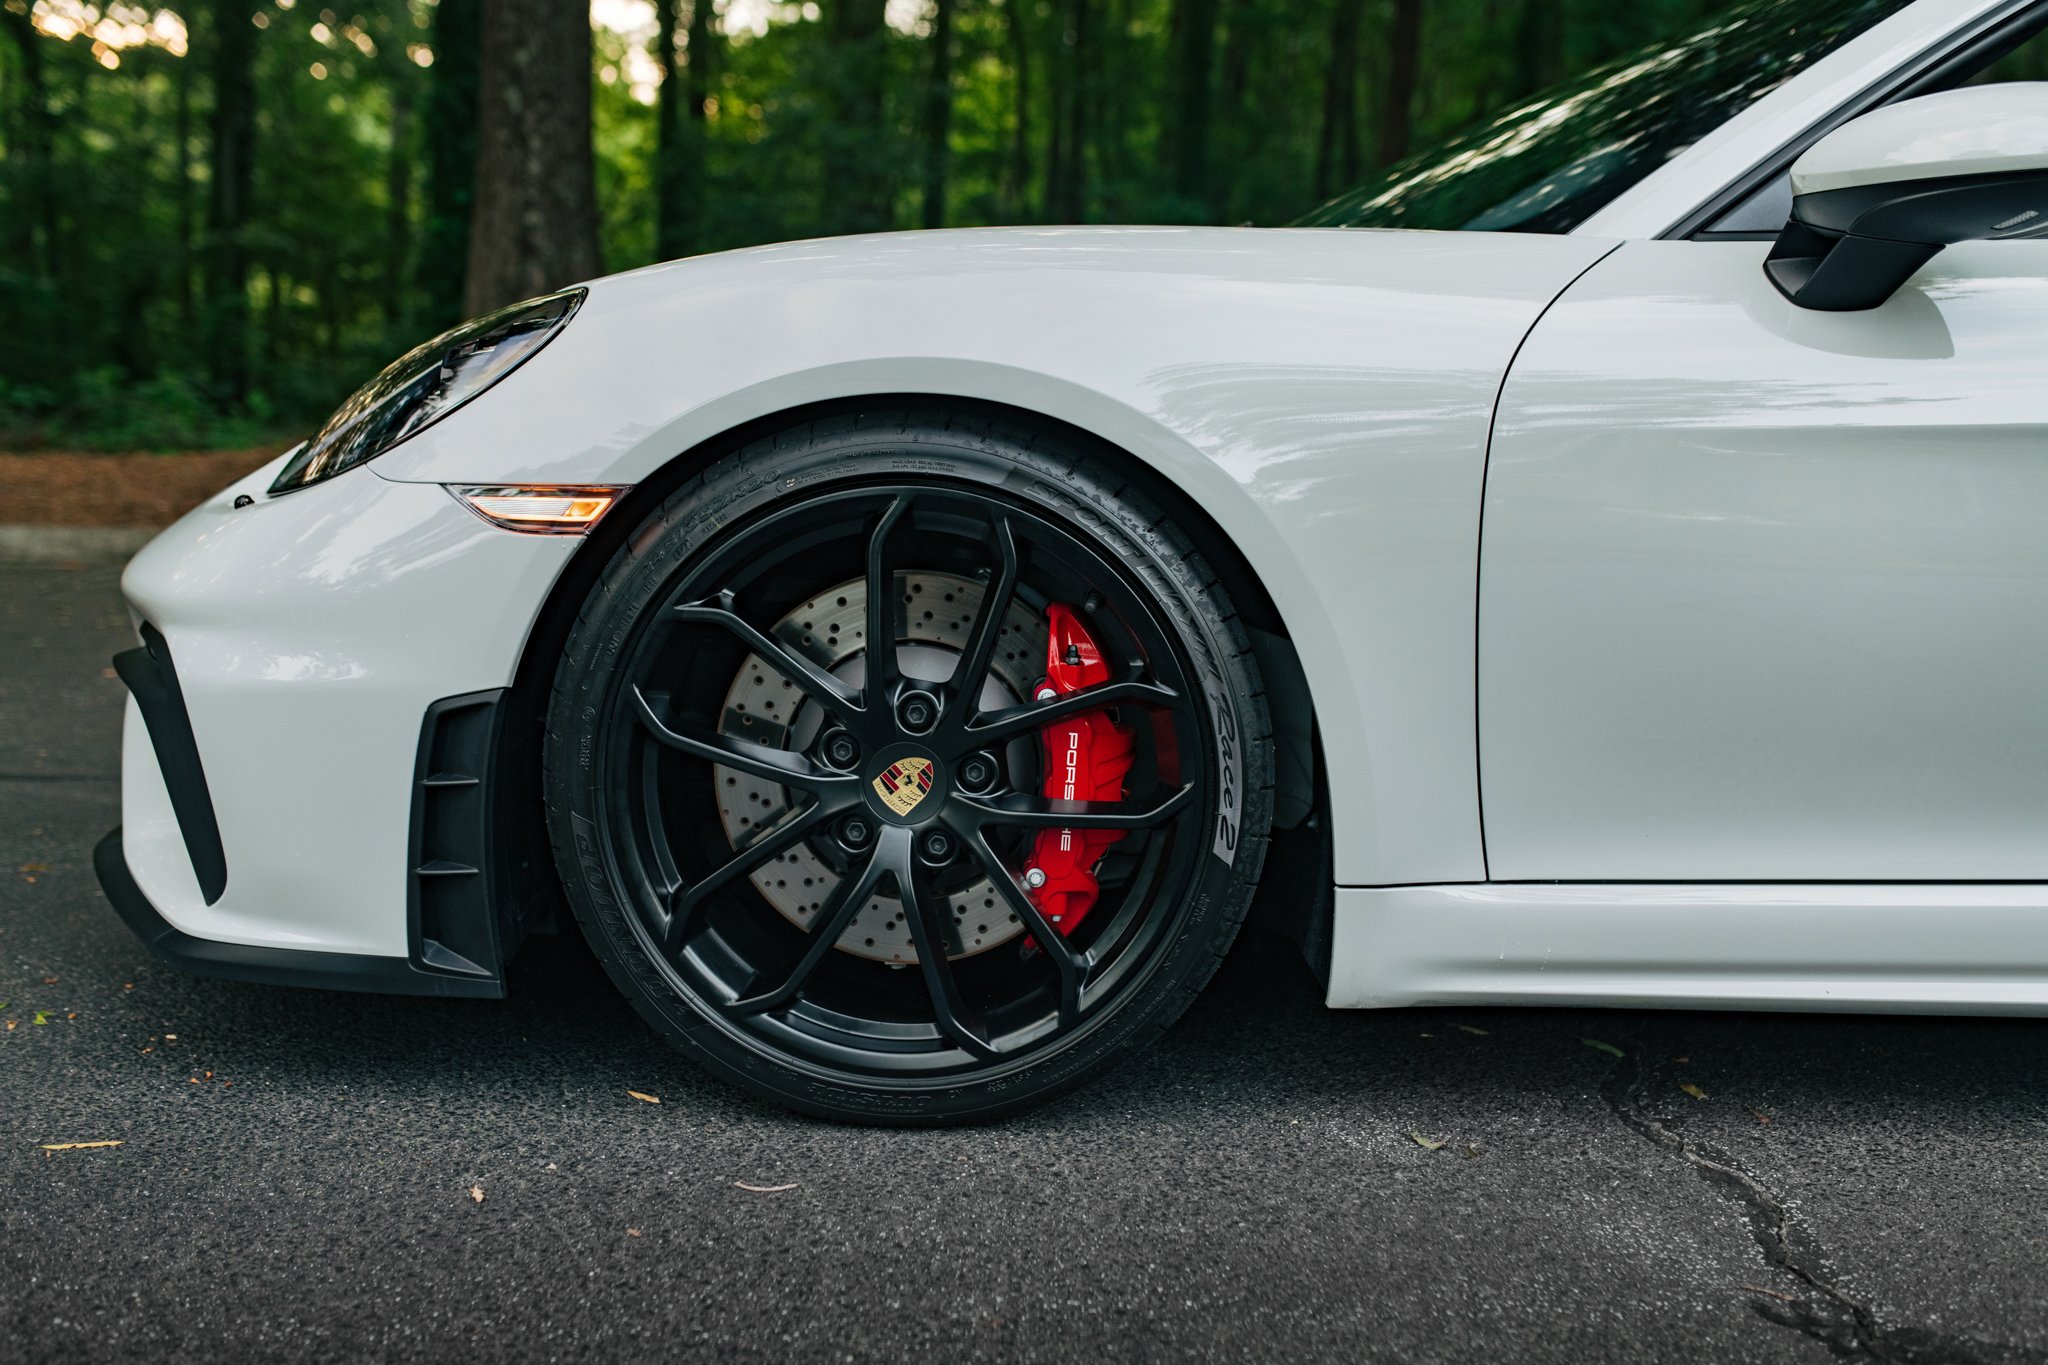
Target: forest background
(218,218)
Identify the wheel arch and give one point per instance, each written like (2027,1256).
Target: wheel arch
(1301,799)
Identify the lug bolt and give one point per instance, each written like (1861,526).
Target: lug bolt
(937,846)
(1047,693)
(978,773)
(918,712)
(840,750)
(856,832)
(1034,877)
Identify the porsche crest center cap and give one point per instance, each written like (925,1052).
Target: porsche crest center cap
(904,783)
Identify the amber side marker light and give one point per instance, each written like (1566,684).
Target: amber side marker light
(544,509)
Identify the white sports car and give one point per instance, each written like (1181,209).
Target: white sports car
(1644,604)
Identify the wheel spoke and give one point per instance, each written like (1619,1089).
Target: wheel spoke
(882,675)
(1071,966)
(924,914)
(965,685)
(778,838)
(814,989)
(1039,812)
(1011,721)
(756,760)
(821,686)
(827,926)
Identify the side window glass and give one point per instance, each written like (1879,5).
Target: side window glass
(1763,211)
(2027,62)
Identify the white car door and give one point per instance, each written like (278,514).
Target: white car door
(1764,591)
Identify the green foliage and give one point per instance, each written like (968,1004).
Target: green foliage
(356,242)
(105,408)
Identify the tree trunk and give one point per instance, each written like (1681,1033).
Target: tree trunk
(1108,103)
(273,329)
(398,202)
(231,165)
(1237,65)
(679,127)
(1018,190)
(938,115)
(182,189)
(534,221)
(1059,79)
(1191,39)
(1539,43)
(38,140)
(671,159)
(703,56)
(1066,163)
(857,181)
(1404,51)
(450,126)
(1337,143)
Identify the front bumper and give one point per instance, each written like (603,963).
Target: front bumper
(313,633)
(271,966)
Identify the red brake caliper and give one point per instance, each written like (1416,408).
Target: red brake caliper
(1086,758)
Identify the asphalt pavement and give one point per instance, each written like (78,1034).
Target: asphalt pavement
(313,1176)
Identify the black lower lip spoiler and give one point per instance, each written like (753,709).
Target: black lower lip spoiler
(270,966)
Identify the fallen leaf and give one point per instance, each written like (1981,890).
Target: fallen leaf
(632,1232)
(170,1037)
(42,1018)
(765,1189)
(1472,1149)
(194,1080)
(1427,1144)
(1774,1293)
(1693,1090)
(34,867)
(1598,1046)
(49,981)
(80,1146)
(1761,1116)
(1474,1030)
(5,1003)
(476,1193)
(11,1023)
(644,1097)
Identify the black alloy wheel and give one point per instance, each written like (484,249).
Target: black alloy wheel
(807,861)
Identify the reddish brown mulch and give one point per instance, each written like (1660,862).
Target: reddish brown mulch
(146,489)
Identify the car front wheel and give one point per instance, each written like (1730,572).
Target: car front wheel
(936,880)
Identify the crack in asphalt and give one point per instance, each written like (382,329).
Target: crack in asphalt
(1850,1328)
(60,777)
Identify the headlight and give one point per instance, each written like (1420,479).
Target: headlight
(426,384)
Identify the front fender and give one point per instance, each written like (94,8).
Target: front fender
(1324,395)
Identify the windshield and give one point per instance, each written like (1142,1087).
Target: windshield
(1549,164)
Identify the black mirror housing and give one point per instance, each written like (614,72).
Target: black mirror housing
(1844,250)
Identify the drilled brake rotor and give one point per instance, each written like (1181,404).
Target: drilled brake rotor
(932,624)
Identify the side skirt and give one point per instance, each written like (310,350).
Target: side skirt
(1938,949)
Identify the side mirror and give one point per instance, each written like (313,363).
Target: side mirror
(1875,199)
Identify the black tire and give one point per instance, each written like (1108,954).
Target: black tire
(631,789)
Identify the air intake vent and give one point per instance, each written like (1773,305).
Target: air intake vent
(452,890)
